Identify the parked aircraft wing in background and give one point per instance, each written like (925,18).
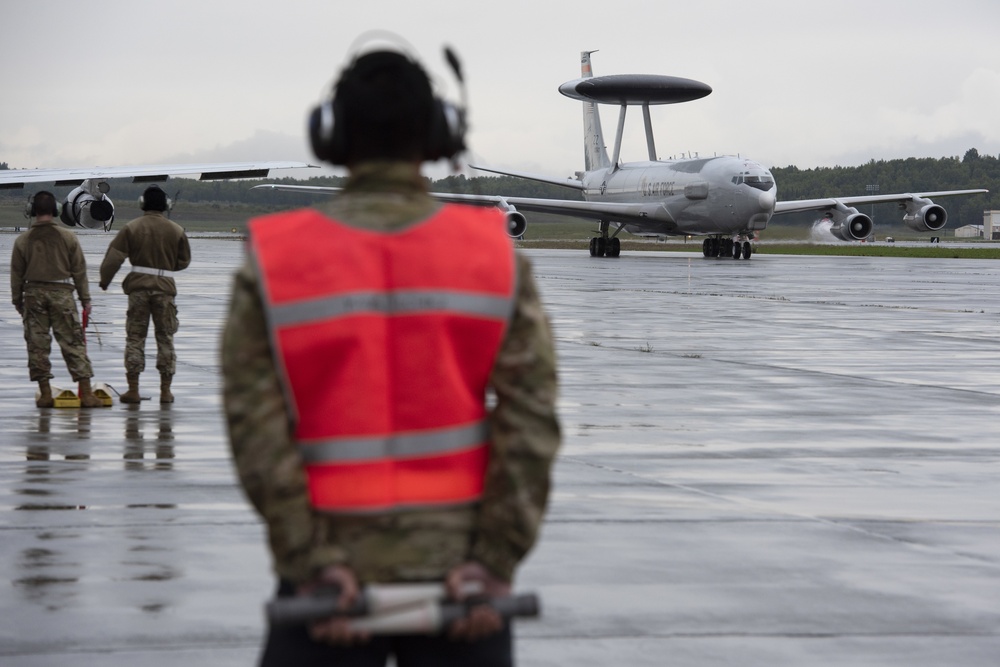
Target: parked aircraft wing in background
(88,204)
(18,178)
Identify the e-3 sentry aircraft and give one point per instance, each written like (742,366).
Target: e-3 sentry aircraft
(726,199)
(88,205)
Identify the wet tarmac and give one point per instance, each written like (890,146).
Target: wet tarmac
(786,461)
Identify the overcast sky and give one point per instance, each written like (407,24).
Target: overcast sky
(801,82)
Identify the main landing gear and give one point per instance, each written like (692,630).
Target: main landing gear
(602,247)
(719,246)
(606,245)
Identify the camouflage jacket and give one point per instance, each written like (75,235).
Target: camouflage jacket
(49,255)
(406,546)
(153,241)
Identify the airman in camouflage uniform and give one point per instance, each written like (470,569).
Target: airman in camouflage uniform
(485,541)
(156,247)
(46,266)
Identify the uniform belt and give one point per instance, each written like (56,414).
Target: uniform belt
(64,281)
(162,273)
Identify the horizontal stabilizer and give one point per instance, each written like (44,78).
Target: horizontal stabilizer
(562,182)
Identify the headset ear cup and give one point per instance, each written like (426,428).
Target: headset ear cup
(316,142)
(334,130)
(325,135)
(446,134)
(437,132)
(31,211)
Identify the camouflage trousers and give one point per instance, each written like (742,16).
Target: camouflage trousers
(144,305)
(55,309)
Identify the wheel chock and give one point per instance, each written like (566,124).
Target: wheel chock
(102,391)
(62,398)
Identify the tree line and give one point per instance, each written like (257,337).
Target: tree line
(972,171)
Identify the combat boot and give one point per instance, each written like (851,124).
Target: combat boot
(132,395)
(165,395)
(44,399)
(87,398)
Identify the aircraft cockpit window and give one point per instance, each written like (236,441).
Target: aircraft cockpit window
(764,183)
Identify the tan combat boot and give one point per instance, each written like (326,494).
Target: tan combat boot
(132,395)
(44,400)
(87,398)
(165,395)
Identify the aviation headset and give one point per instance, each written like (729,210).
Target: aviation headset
(31,208)
(148,192)
(328,134)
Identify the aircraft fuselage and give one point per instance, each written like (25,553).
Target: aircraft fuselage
(718,195)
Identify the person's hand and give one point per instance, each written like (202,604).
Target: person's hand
(86,309)
(19,306)
(104,286)
(336,629)
(481,620)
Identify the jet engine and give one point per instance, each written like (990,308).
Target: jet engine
(849,224)
(89,206)
(923,215)
(517,224)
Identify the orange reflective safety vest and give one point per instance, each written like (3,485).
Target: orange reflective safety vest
(386,341)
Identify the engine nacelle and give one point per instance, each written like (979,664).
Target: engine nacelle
(89,206)
(923,215)
(517,224)
(849,224)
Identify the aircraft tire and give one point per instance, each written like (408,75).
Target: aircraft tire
(747,250)
(593,246)
(602,246)
(736,250)
(614,247)
(706,247)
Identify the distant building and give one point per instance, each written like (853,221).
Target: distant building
(991,225)
(970,231)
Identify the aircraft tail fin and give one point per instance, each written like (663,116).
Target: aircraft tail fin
(595,152)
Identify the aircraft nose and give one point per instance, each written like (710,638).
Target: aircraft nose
(766,201)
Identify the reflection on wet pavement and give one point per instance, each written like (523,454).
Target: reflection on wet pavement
(762,467)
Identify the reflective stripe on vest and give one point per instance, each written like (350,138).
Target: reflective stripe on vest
(386,342)
(396,303)
(148,270)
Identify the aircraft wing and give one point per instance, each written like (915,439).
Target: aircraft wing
(18,178)
(615,212)
(582,209)
(821,204)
